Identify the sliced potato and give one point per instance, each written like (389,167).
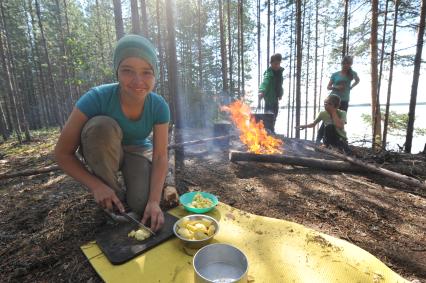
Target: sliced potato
(206,222)
(200,235)
(211,230)
(196,229)
(140,234)
(200,227)
(184,232)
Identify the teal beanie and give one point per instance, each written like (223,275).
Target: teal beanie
(133,45)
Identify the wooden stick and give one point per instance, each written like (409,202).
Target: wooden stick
(295,160)
(373,168)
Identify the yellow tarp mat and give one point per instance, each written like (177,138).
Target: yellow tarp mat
(277,251)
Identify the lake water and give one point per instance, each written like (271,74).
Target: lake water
(358,131)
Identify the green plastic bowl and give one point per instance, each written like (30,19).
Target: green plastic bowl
(186,200)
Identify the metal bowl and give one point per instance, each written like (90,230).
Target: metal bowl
(220,263)
(196,244)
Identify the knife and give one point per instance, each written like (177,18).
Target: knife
(138,222)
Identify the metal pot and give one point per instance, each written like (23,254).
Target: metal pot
(220,263)
(267,118)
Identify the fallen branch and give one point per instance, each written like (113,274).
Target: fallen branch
(295,160)
(29,172)
(374,169)
(174,146)
(56,167)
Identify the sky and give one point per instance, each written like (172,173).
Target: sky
(402,78)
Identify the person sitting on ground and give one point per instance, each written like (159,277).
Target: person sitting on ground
(334,121)
(271,88)
(111,124)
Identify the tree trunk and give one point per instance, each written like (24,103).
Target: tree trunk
(345,28)
(322,164)
(298,63)
(65,78)
(172,63)
(290,75)
(375,102)
(100,34)
(118,18)
(293,95)
(322,66)
(238,50)
(375,169)
(258,45)
(242,48)
(275,24)
(392,58)
(316,66)
(223,57)
(17,89)
(159,46)
(268,32)
(55,104)
(307,73)
(75,94)
(32,101)
(7,75)
(382,50)
(200,46)
(10,91)
(47,115)
(144,16)
(3,129)
(416,75)
(231,81)
(136,23)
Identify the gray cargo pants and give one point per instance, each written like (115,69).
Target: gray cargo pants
(103,152)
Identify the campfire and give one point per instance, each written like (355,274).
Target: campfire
(253,134)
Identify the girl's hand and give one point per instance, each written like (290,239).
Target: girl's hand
(153,212)
(107,199)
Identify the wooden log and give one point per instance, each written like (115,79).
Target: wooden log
(374,169)
(295,160)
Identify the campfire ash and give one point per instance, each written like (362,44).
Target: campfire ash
(253,134)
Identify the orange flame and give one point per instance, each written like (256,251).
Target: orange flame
(253,134)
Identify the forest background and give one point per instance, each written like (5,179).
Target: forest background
(211,52)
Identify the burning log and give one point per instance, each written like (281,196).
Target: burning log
(295,160)
(375,169)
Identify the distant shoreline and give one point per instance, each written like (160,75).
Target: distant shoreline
(392,104)
(365,104)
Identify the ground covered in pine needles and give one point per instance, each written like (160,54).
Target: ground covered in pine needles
(45,218)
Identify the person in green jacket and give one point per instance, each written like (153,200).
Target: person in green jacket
(271,89)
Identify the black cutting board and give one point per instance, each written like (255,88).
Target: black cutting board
(118,247)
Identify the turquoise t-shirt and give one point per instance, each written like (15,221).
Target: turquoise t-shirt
(338,79)
(326,118)
(104,100)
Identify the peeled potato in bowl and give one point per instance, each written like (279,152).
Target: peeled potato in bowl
(196,230)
